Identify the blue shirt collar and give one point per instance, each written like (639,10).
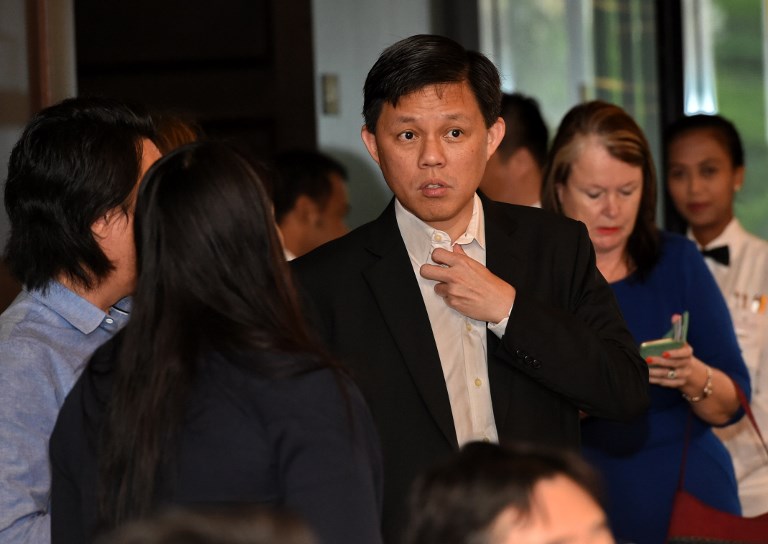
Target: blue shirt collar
(77,311)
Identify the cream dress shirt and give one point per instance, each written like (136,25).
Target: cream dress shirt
(461,341)
(744,284)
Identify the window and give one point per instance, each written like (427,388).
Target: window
(563,52)
(725,58)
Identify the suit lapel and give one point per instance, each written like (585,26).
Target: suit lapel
(504,260)
(399,299)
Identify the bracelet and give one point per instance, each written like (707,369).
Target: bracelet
(707,388)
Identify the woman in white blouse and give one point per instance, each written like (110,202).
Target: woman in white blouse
(705,171)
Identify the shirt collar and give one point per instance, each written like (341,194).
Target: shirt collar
(77,311)
(731,236)
(420,239)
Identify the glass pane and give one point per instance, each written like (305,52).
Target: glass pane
(539,48)
(725,59)
(562,52)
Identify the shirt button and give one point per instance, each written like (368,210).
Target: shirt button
(486,439)
(478,382)
(109,320)
(438,238)
(469,327)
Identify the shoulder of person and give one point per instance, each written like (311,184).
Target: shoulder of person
(756,244)
(677,243)
(529,215)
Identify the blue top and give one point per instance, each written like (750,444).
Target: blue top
(640,461)
(45,340)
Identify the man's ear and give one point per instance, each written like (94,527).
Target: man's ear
(523,160)
(102,227)
(306,210)
(369,139)
(495,135)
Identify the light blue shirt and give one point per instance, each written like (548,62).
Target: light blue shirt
(45,341)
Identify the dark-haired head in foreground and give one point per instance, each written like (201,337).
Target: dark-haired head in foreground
(489,494)
(231,525)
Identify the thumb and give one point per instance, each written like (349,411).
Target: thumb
(458,249)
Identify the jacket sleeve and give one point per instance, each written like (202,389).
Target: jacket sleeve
(580,347)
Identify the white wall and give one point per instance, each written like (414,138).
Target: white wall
(14,89)
(349,35)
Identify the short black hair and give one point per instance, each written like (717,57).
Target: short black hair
(74,162)
(457,501)
(422,60)
(230,524)
(525,127)
(302,172)
(723,129)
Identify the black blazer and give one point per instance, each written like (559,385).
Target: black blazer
(566,347)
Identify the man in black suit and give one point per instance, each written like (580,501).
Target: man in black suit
(461,318)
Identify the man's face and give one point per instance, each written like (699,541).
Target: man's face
(120,246)
(432,149)
(561,511)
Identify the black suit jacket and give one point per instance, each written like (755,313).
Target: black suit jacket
(566,347)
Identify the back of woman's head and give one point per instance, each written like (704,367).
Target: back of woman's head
(622,137)
(207,248)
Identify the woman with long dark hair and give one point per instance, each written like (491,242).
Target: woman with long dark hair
(216,392)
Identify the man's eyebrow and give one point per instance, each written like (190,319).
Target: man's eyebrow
(404,119)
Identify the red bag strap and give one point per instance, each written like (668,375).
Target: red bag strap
(747,410)
(750,415)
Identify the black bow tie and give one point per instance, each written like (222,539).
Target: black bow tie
(719,254)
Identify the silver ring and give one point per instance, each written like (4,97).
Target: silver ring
(672,374)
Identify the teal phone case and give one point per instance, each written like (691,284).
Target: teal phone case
(674,339)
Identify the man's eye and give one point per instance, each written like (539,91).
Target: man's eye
(455,133)
(407,135)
